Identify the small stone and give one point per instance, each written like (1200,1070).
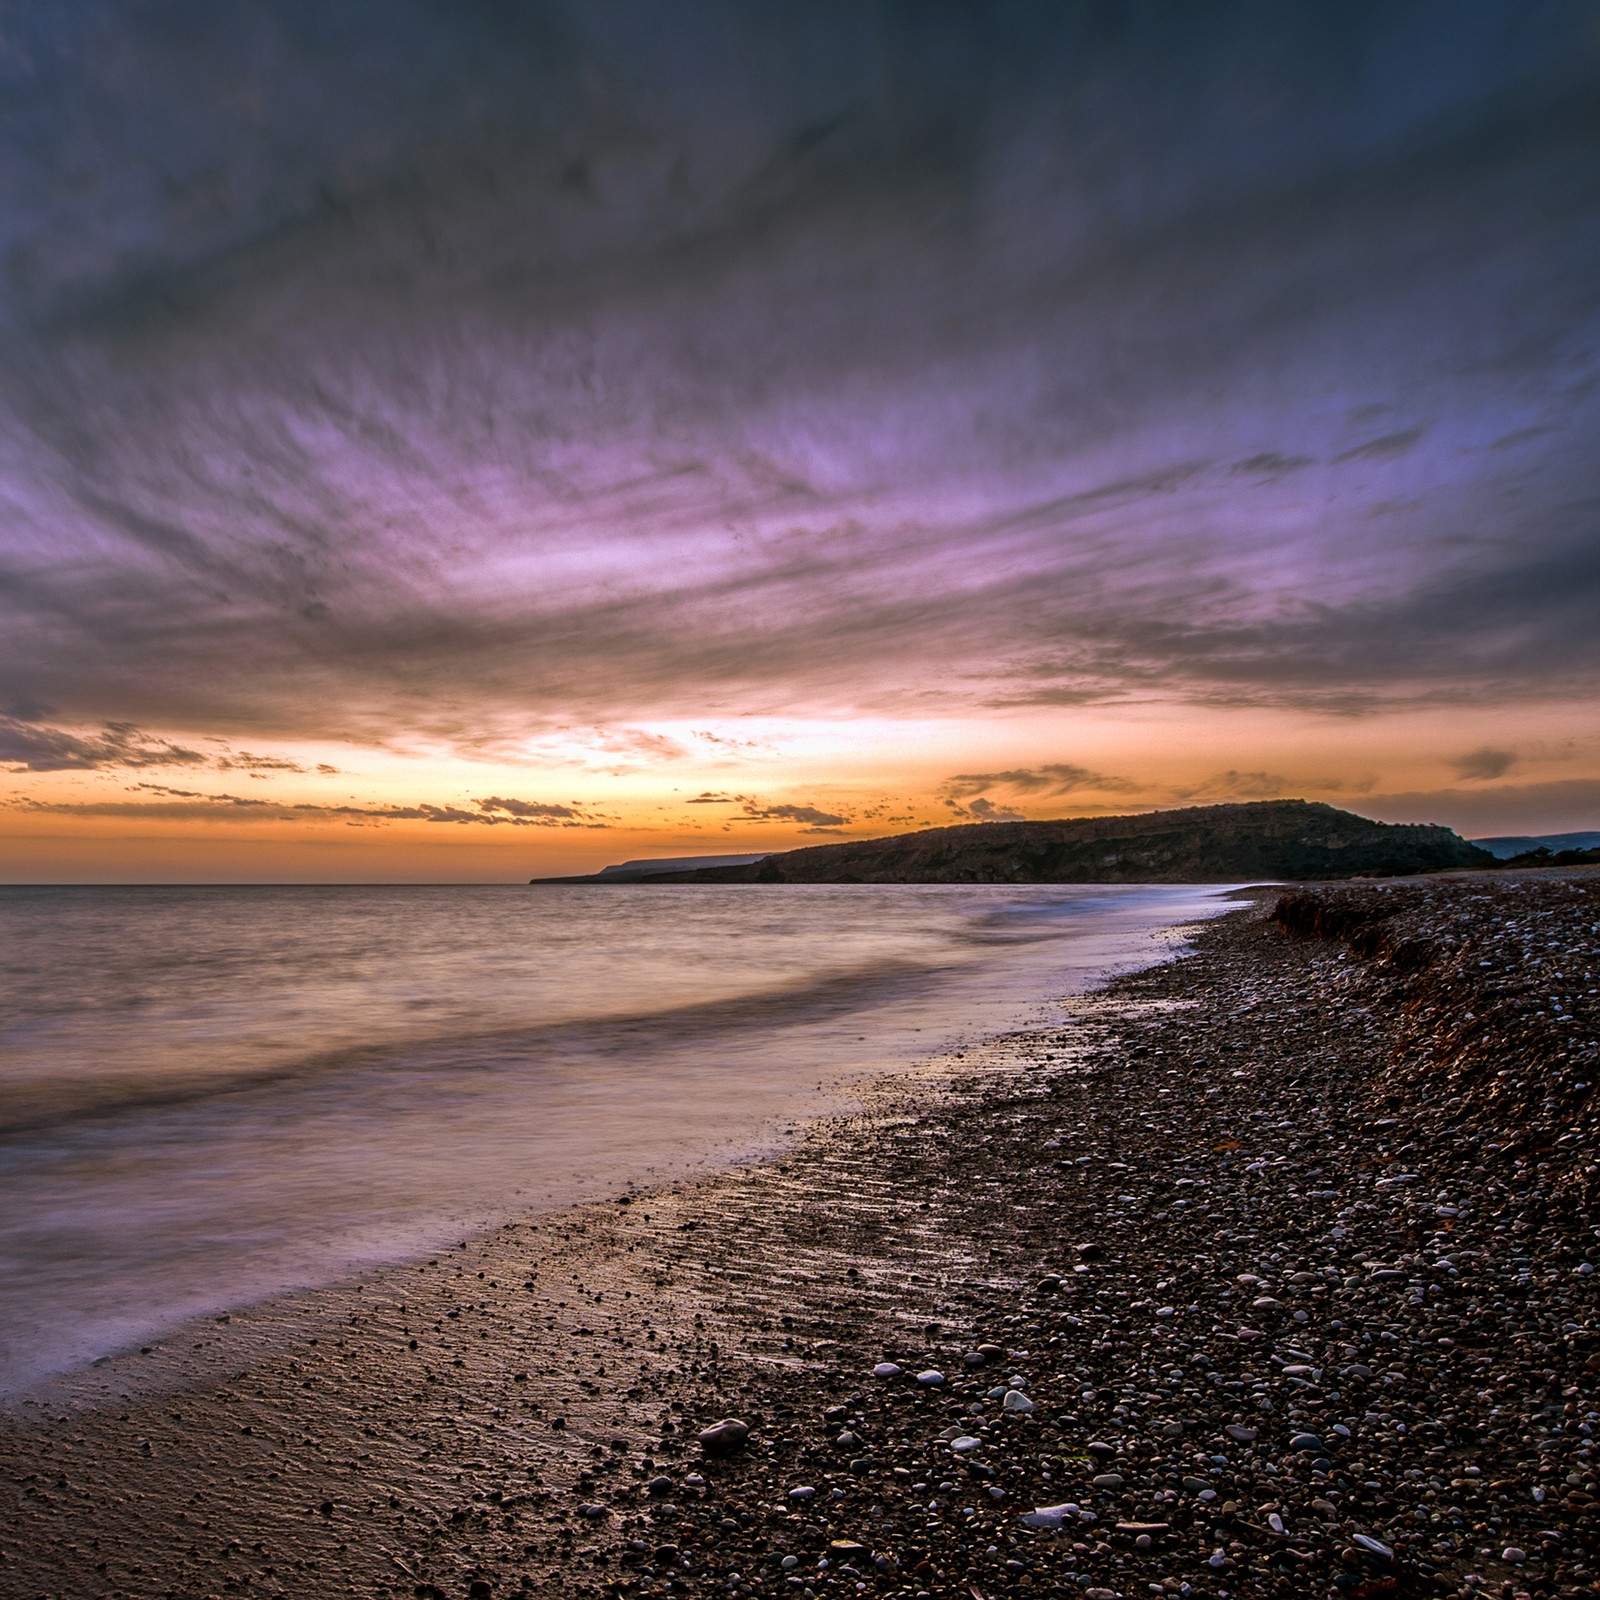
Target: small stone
(1514,1554)
(660,1487)
(1017,1402)
(1308,1441)
(805,1491)
(1107,1480)
(1240,1434)
(1090,1252)
(931,1378)
(1100,1450)
(789,1563)
(886,1369)
(593,1510)
(964,1443)
(1373,1547)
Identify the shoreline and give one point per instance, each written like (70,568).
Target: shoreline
(497,1416)
(624,1102)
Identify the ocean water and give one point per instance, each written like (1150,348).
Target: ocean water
(208,1095)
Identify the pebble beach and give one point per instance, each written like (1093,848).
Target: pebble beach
(1270,1272)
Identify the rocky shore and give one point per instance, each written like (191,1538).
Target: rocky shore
(1272,1274)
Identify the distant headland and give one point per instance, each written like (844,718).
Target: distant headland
(1264,839)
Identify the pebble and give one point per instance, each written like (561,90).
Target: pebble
(1050,1516)
(1379,1365)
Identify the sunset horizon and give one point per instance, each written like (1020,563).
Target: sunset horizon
(748,429)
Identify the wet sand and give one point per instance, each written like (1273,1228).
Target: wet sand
(1275,1188)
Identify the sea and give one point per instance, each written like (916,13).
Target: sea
(212,1095)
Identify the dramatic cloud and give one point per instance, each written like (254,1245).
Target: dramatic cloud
(1055,778)
(814,815)
(970,795)
(984,810)
(1485,763)
(551,364)
(32,747)
(193,805)
(528,810)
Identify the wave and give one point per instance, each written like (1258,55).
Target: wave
(40,1108)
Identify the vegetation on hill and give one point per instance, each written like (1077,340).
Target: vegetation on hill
(1277,839)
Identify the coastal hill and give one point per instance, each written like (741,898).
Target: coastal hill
(1264,839)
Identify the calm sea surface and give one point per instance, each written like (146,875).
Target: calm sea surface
(209,1094)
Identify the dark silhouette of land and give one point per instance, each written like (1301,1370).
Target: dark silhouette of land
(1264,839)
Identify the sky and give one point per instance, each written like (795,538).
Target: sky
(459,440)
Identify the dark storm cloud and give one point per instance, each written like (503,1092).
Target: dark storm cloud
(33,747)
(814,815)
(1053,778)
(461,371)
(188,805)
(1486,763)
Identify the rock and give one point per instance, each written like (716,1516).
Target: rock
(804,1491)
(991,1352)
(593,1510)
(1090,1252)
(1373,1547)
(1240,1434)
(1016,1402)
(846,1550)
(1050,1516)
(965,1443)
(1514,1554)
(930,1379)
(886,1369)
(1100,1450)
(1107,1480)
(725,1438)
(1144,1527)
(660,1487)
(1308,1441)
